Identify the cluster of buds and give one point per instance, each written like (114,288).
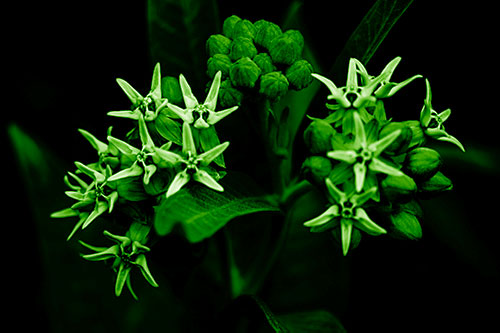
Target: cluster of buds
(370,165)
(168,147)
(257,56)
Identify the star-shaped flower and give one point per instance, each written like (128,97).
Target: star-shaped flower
(200,115)
(99,194)
(107,152)
(138,156)
(148,106)
(128,252)
(365,153)
(346,210)
(432,122)
(193,166)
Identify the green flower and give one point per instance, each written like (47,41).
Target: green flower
(148,106)
(194,166)
(200,115)
(107,153)
(347,212)
(128,252)
(364,154)
(432,122)
(93,199)
(138,156)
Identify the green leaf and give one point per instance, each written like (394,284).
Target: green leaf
(202,211)
(372,30)
(168,128)
(312,321)
(178,30)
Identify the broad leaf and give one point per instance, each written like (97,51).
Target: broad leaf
(202,211)
(178,30)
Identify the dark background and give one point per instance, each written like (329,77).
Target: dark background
(62,61)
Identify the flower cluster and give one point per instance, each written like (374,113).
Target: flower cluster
(168,147)
(370,165)
(257,56)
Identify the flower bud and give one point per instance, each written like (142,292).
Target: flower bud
(218,44)
(412,207)
(398,187)
(435,185)
(263,60)
(299,74)
(265,32)
(219,62)
(273,85)
(318,136)
(242,47)
(284,49)
(244,28)
(417,133)
(228,25)
(406,225)
(244,73)
(228,95)
(297,37)
(317,168)
(422,162)
(400,145)
(171,89)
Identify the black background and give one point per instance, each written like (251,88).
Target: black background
(59,75)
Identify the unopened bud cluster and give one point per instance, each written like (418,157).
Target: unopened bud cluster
(258,56)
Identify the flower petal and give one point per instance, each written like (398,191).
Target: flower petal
(348,156)
(185,115)
(133,171)
(214,117)
(122,276)
(366,224)
(359,175)
(83,217)
(67,212)
(453,140)
(111,252)
(98,145)
(207,157)
(345,234)
(211,100)
(189,99)
(125,114)
(336,194)
(149,171)
(99,208)
(324,218)
(188,145)
(204,177)
(168,156)
(131,93)
(97,176)
(352,76)
(379,146)
(359,130)
(178,182)
(112,198)
(141,262)
(123,147)
(425,114)
(336,93)
(360,199)
(200,123)
(156,82)
(378,166)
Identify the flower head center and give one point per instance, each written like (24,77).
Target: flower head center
(347,209)
(364,156)
(200,111)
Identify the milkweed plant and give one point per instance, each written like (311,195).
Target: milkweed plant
(172,167)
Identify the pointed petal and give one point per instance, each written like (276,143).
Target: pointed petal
(200,123)
(67,212)
(453,140)
(168,156)
(336,93)
(359,175)
(112,198)
(204,177)
(348,156)
(129,286)
(80,182)
(156,82)
(75,195)
(360,199)
(207,157)
(132,94)
(208,140)
(189,99)
(324,218)
(214,117)
(141,262)
(352,76)
(125,114)
(111,252)
(91,247)
(366,224)
(99,208)
(390,67)
(178,182)
(185,115)
(188,145)
(77,226)
(211,100)
(336,194)
(149,171)
(98,145)
(382,167)
(445,115)
(379,146)
(121,278)
(133,171)
(123,146)
(122,240)
(396,87)
(144,134)
(425,114)
(345,233)
(359,131)
(97,176)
